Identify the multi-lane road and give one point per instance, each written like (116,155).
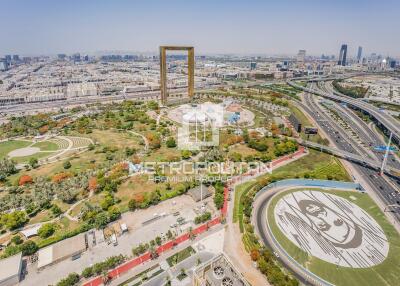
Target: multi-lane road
(385,187)
(387,121)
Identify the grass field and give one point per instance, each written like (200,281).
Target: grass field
(46,146)
(385,273)
(8,146)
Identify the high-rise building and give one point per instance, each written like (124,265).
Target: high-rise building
(3,65)
(8,58)
(301,56)
(61,57)
(359,54)
(253,65)
(16,58)
(342,55)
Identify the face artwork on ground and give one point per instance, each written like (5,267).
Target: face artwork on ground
(331,228)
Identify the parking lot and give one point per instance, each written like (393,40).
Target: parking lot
(137,233)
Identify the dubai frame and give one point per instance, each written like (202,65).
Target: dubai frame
(163,70)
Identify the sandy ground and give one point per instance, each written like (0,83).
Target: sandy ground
(22,152)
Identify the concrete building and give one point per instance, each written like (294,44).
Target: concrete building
(69,248)
(10,270)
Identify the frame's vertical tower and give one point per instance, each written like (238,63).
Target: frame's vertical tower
(163,70)
(163,75)
(191,72)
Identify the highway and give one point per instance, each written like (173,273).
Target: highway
(387,121)
(385,188)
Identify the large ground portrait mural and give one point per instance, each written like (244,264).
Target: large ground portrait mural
(331,228)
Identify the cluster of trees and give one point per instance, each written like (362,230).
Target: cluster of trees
(267,265)
(265,260)
(36,195)
(13,220)
(28,125)
(7,168)
(285,147)
(354,91)
(18,245)
(202,218)
(100,267)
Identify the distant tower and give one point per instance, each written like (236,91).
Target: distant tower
(359,54)
(342,55)
(301,56)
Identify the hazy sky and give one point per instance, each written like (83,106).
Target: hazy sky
(212,26)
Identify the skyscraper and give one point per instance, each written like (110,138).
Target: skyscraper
(359,54)
(342,55)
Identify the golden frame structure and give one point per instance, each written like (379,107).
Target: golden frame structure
(163,70)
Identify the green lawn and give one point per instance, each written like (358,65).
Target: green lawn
(46,146)
(385,273)
(8,146)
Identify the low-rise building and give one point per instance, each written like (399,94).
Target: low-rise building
(69,248)
(10,270)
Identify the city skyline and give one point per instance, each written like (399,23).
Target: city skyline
(47,28)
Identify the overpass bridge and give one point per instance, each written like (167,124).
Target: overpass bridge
(361,160)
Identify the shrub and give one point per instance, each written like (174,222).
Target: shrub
(67,165)
(132,205)
(71,280)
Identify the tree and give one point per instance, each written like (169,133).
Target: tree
(158,240)
(25,179)
(255,255)
(186,154)
(132,205)
(219,200)
(107,202)
(101,220)
(92,184)
(29,247)
(67,165)
(46,230)
(33,162)
(114,213)
(171,142)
